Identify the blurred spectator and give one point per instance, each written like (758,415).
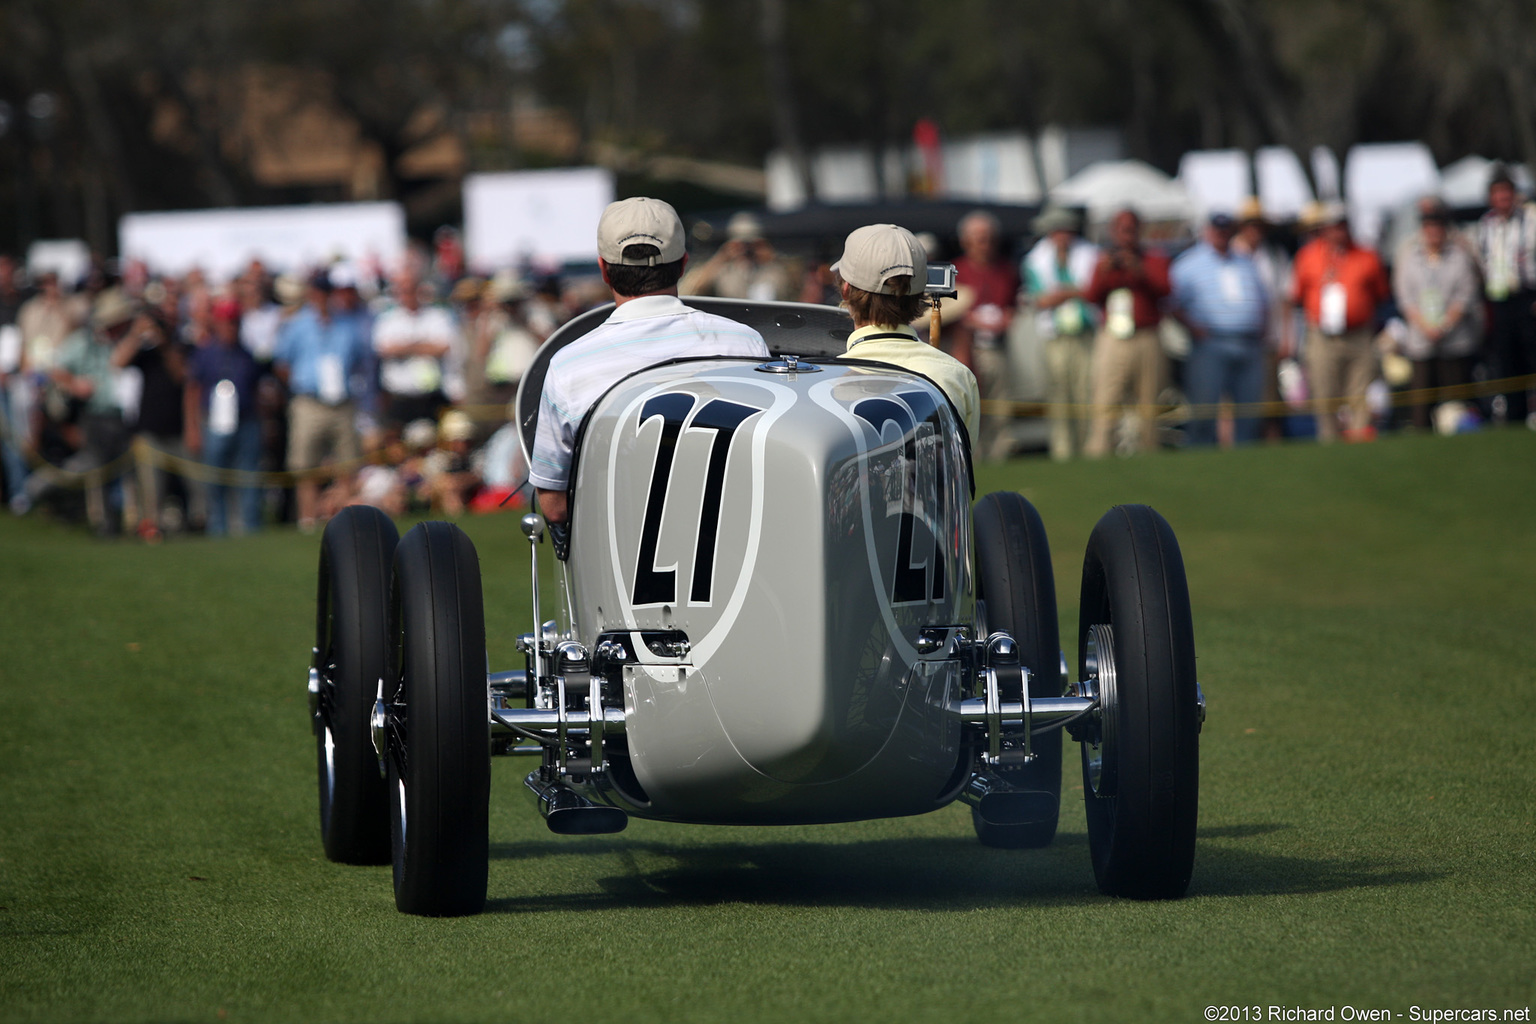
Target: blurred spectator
(820,284)
(12,295)
(318,357)
(1128,285)
(260,315)
(980,339)
(447,257)
(1057,272)
(83,370)
(348,307)
(15,397)
(544,311)
(1339,284)
(222,421)
(196,325)
(1435,282)
(450,478)
(1506,245)
(745,267)
(46,319)
(414,343)
(161,360)
(1219,296)
(1274,267)
(501,344)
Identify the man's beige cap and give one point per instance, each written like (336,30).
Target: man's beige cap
(875,253)
(640,221)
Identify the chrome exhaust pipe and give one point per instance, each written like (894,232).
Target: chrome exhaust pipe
(1001,804)
(568,813)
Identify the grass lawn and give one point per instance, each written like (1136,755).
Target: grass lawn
(1363,616)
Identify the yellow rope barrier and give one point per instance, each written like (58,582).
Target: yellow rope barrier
(141,451)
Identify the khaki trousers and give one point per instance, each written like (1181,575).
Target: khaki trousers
(996,440)
(1125,370)
(1340,367)
(1069,361)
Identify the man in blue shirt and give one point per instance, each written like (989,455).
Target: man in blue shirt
(318,357)
(1219,296)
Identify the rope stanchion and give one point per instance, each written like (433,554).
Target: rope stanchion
(1280,407)
(141,451)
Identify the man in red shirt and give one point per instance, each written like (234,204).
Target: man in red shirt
(988,288)
(1128,283)
(1339,284)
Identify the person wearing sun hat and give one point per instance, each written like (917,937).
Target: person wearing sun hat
(884,272)
(641,252)
(1057,271)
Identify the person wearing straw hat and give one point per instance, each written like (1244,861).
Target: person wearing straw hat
(884,272)
(84,371)
(1057,271)
(641,252)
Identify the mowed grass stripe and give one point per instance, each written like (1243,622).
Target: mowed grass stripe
(1363,623)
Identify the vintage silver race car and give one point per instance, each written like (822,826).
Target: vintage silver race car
(776,605)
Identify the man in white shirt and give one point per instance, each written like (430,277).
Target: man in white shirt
(419,357)
(641,252)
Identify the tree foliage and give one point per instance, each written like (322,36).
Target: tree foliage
(148,111)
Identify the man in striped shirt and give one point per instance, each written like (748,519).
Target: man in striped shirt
(641,252)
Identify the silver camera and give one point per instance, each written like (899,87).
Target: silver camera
(941,281)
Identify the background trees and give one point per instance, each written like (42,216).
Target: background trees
(118,105)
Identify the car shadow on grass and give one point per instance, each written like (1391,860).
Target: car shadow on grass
(929,873)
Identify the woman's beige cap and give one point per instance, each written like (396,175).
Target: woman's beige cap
(640,221)
(875,253)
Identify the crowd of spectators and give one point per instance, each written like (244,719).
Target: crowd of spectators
(184,404)
(267,398)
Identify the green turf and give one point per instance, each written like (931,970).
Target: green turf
(1363,618)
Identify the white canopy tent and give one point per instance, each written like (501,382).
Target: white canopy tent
(1113,185)
(1465,182)
(1217,180)
(1380,177)
(1283,187)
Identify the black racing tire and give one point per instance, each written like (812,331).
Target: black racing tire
(1015,579)
(439,753)
(1141,781)
(352,655)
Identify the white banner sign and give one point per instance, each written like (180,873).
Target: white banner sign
(547,217)
(285,238)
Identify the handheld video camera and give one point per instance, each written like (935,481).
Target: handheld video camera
(941,281)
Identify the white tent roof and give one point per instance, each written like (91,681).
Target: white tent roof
(1465,182)
(1112,185)
(1217,180)
(1283,187)
(1380,177)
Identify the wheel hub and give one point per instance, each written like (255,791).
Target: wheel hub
(1100,735)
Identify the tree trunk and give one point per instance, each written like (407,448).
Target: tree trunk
(786,116)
